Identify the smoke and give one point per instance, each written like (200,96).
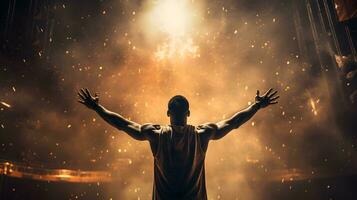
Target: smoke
(229,50)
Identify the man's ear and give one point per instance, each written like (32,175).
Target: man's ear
(188,113)
(168,113)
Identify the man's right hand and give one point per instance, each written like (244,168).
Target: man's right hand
(87,99)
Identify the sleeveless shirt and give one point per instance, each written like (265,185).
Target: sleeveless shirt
(179,172)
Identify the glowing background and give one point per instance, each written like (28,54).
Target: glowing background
(139,54)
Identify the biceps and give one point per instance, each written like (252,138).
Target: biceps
(223,128)
(133,129)
(124,124)
(211,131)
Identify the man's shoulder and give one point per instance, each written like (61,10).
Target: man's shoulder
(151,126)
(205,131)
(207,126)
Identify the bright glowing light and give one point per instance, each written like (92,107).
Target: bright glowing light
(178,48)
(42,174)
(5,104)
(64,176)
(172,17)
(171,23)
(313,106)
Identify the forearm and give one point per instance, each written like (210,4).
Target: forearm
(131,128)
(225,126)
(218,130)
(112,118)
(119,122)
(243,116)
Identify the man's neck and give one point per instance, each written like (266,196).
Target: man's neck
(178,123)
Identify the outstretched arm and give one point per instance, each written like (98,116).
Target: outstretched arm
(133,129)
(218,130)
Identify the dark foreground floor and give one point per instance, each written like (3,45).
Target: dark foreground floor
(340,188)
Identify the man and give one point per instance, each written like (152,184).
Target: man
(179,149)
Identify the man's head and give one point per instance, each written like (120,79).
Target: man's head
(178,110)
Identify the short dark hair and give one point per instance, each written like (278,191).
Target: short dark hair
(178,104)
